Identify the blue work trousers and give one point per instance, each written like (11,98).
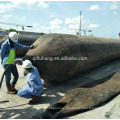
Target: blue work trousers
(28,92)
(11,70)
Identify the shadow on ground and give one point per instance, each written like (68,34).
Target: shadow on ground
(18,113)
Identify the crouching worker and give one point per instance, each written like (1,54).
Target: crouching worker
(34,89)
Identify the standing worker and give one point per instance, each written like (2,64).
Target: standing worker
(35,87)
(8,55)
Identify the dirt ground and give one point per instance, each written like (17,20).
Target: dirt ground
(1,37)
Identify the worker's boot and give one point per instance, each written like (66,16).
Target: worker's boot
(13,87)
(35,99)
(10,90)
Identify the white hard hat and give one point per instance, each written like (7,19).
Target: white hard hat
(27,64)
(13,36)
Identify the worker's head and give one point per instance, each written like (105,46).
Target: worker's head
(27,65)
(13,36)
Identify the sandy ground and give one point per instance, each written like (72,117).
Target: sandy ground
(18,108)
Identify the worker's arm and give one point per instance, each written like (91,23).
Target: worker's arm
(17,45)
(3,50)
(23,46)
(34,86)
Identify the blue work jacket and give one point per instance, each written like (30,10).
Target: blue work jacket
(5,50)
(34,80)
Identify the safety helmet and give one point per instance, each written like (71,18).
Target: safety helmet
(27,64)
(13,36)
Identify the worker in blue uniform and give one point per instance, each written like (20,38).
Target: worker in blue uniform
(34,89)
(8,55)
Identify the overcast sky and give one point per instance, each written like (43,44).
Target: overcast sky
(103,18)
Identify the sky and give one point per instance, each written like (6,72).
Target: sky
(102,17)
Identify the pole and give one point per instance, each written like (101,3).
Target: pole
(80,22)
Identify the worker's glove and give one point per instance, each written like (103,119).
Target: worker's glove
(18,61)
(32,46)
